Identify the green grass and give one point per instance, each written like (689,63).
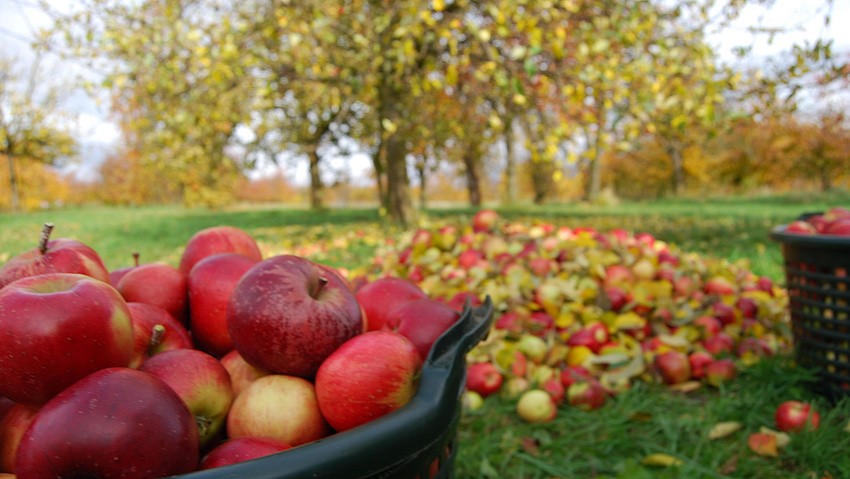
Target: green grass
(608,443)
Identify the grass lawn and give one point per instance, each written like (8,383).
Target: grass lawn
(608,443)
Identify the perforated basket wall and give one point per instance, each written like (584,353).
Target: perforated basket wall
(816,272)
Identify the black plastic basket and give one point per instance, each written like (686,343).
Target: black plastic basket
(407,443)
(816,272)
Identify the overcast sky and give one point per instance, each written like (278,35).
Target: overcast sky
(19,19)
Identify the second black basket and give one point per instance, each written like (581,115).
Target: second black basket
(816,271)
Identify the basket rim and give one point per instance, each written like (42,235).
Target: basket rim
(816,241)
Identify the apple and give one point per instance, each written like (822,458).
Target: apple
(12,429)
(511,321)
(202,383)
(573,374)
(209,286)
(280,406)
(218,239)
(536,406)
(484,221)
(819,222)
(618,275)
(240,449)
(644,270)
(458,301)
(555,389)
(801,227)
(116,274)
(586,395)
(719,344)
(159,284)
(533,347)
(422,321)
(483,378)
(56,329)
(369,376)
(699,360)
(286,316)
(796,416)
(719,285)
(381,296)
(471,257)
(708,325)
(61,255)
(241,373)
(115,422)
(540,323)
(720,371)
(445,238)
(617,296)
(724,312)
(585,337)
(838,227)
(673,366)
(155,331)
(836,212)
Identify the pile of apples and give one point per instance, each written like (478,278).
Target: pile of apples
(156,370)
(582,314)
(835,221)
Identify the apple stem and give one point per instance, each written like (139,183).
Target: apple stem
(136,258)
(322,282)
(45,237)
(157,333)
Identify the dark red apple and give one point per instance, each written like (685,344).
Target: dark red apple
(483,378)
(719,344)
(422,321)
(12,429)
(838,227)
(368,377)
(116,274)
(286,316)
(210,283)
(56,329)
(381,296)
(720,371)
(155,331)
(116,422)
(159,284)
(218,239)
(240,449)
(586,395)
(61,255)
(699,360)
(801,227)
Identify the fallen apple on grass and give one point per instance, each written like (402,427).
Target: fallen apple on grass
(536,406)
(796,416)
(483,378)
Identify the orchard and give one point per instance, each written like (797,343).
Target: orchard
(238,350)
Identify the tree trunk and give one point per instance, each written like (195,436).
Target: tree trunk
(510,193)
(594,184)
(420,168)
(399,203)
(316,186)
(674,149)
(13,182)
(473,181)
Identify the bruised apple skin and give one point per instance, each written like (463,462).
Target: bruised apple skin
(286,315)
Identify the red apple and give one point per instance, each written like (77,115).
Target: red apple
(720,371)
(422,321)
(617,296)
(673,366)
(536,406)
(240,449)
(380,297)
(286,316)
(458,301)
(12,430)
(218,239)
(155,331)
(202,383)
(708,325)
(573,374)
(62,255)
(586,395)
(719,344)
(484,220)
(618,275)
(555,389)
(471,257)
(116,422)
(540,322)
(511,321)
(724,312)
(116,274)
(801,227)
(796,416)
(159,284)
(699,360)
(747,306)
(584,337)
(241,373)
(56,329)
(209,285)
(483,378)
(819,222)
(278,406)
(719,285)
(838,227)
(368,377)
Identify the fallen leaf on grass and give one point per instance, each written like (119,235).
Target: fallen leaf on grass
(686,387)
(724,429)
(763,444)
(530,445)
(661,460)
(782,438)
(729,466)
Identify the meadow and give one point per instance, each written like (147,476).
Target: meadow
(612,442)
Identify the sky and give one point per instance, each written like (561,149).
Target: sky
(20,19)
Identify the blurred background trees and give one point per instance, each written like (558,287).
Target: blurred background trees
(453,100)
